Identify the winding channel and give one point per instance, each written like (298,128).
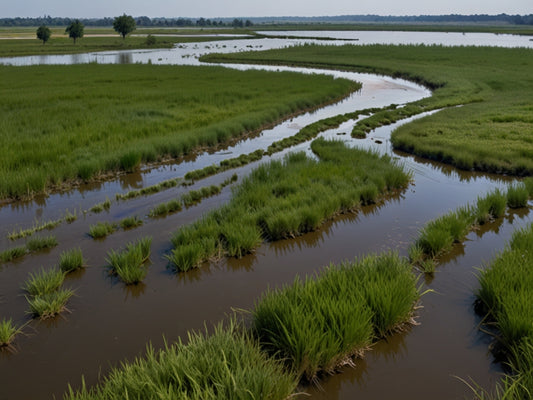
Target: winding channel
(110,322)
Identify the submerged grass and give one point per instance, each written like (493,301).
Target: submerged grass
(285,199)
(318,324)
(227,364)
(138,114)
(490,132)
(129,264)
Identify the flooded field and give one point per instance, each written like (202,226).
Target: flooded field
(110,322)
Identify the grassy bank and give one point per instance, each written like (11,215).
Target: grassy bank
(505,298)
(285,199)
(492,129)
(61,124)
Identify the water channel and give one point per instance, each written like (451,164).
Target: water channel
(110,322)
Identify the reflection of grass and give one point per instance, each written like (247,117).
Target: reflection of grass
(505,296)
(490,132)
(317,324)
(226,364)
(284,199)
(138,114)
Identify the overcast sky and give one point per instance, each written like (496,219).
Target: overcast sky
(256,8)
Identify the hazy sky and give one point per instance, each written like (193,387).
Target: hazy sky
(256,8)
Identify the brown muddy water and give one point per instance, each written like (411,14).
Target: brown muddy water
(110,322)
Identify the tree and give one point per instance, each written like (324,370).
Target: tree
(44,33)
(124,25)
(75,30)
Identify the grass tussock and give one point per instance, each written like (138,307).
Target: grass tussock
(316,325)
(101,229)
(130,222)
(8,333)
(130,264)
(50,304)
(227,364)
(71,260)
(517,196)
(104,205)
(12,254)
(44,281)
(285,199)
(506,289)
(41,243)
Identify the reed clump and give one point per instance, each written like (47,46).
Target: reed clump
(316,325)
(227,364)
(130,263)
(285,199)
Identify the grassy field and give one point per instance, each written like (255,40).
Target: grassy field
(492,129)
(286,199)
(62,124)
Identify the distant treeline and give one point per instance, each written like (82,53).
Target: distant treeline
(144,21)
(140,21)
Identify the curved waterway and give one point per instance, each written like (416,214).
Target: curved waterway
(110,322)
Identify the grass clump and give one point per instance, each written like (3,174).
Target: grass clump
(70,217)
(71,260)
(517,196)
(163,209)
(316,325)
(98,208)
(285,199)
(43,281)
(228,364)
(129,264)
(491,206)
(130,222)
(506,289)
(101,229)
(50,304)
(22,233)
(41,243)
(8,332)
(12,254)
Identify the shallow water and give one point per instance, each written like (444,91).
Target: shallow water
(110,322)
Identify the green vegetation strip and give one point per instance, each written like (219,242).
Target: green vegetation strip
(33,245)
(505,298)
(317,325)
(84,122)
(492,129)
(41,226)
(438,236)
(297,332)
(285,199)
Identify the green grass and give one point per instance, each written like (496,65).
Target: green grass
(41,243)
(98,208)
(285,199)
(44,281)
(227,364)
(50,304)
(517,196)
(149,189)
(8,332)
(129,264)
(130,222)
(85,121)
(101,229)
(316,325)
(71,260)
(37,227)
(490,132)
(506,289)
(12,253)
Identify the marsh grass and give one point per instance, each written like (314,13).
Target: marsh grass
(101,229)
(70,217)
(37,227)
(528,183)
(12,253)
(8,332)
(285,199)
(71,260)
(139,114)
(130,222)
(226,364)
(129,264)
(517,195)
(41,243)
(316,325)
(44,281)
(149,189)
(98,208)
(50,304)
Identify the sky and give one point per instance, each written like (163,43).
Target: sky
(256,8)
